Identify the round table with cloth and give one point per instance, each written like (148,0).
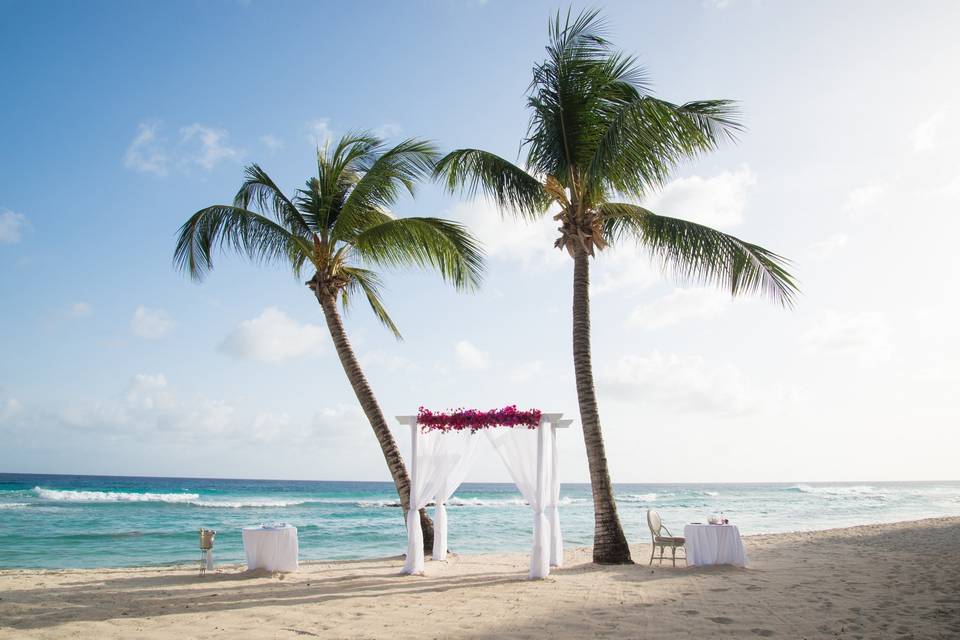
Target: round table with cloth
(274,548)
(714,544)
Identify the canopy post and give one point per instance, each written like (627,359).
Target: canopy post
(414,561)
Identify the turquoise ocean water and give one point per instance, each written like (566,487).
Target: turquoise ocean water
(96,521)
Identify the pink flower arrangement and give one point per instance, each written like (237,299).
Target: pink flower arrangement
(475,420)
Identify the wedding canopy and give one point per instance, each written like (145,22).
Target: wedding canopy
(440,461)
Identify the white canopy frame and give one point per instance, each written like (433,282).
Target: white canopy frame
(439,462)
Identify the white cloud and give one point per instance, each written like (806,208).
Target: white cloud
(470,357)
(924,135)
(272,142)
(149,408)
(387,361)
(388,130)
(274,337)
(267,426)
(504,237)
(12,225)
(9,408)
(206,146)
(319,132)
(678,306)
(198,145)
(151,324)
(861,203)
(526,372)
(345,425)
(865,336)
(146,152)
(682,384)
(149,391)
(80,309)
(717,201)
(623,269)
(829,245)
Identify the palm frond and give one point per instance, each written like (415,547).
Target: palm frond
(424,242)
(644,139)
(246,232)
(510,187)
(370,284)
(261,192)
(701,254)
(395,170)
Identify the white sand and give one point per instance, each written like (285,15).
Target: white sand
(884,581)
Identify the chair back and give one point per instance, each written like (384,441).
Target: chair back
(654,522)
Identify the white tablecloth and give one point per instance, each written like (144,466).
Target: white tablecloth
(271,548)
(714,544)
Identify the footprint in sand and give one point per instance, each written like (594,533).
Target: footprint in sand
(691,612)
(764,633)
(721,620)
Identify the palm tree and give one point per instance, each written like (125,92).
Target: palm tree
(597,142)
(339,227)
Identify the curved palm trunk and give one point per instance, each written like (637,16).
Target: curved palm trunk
(371,408)
(609,542)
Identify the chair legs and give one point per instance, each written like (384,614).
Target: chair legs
(663,550)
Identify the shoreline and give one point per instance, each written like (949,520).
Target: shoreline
(881,580)
(235,567)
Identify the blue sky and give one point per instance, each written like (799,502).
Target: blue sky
(119,120)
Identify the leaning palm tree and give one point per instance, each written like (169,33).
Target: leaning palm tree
(597,143)
(339,227)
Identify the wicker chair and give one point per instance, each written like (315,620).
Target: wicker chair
(657,528)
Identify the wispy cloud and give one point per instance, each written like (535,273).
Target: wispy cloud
(717,201)
(197,145)
(678,306)
(205,146)
(12,225)
(506,238)
(865,336)
(829,245)
(863,202)
(80,309)
(150,324)
(388,130)
(272,142)
(146,153)
(924,136)
(470,357)
(685,383)
(273,336)
(319,132)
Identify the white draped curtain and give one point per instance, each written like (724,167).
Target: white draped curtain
(440,461)
(529,455)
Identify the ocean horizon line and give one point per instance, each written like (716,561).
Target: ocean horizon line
(483,482)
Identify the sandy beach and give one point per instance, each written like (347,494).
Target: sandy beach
(879,581)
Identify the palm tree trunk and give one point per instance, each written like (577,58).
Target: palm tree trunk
(609,542)
(371,408)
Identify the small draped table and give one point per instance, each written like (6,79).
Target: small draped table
(714,544)
(274,548)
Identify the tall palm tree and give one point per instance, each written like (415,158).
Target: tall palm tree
(597,142)
(339,227)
